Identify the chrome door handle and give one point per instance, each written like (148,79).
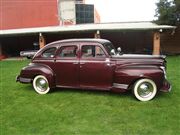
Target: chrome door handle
(108,64)
(82,63)
(75,63)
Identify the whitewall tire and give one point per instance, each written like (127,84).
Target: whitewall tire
(41,85)
(145,89)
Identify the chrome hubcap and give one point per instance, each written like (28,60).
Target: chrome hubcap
(41,84)
(145,89)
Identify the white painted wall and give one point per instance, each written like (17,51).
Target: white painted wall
(67,11)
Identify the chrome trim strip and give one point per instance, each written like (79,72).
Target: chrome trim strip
(82,61)
(42,60)
(62,86)
(170,88)
(94,61)
(122,86)
(67,61)
(164,70)
(24,80)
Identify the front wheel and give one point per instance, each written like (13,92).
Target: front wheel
(41,85)
(145,89)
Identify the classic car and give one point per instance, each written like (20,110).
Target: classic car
(95,64)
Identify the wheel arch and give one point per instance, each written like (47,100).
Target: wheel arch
(130,74)
(41,69)
(138,78)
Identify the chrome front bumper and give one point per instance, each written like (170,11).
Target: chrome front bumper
(23,80)
(166,86)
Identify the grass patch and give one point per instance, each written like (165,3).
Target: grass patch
(67,112)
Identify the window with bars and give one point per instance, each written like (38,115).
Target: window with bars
(84,13)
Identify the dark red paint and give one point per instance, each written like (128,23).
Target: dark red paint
(116,73)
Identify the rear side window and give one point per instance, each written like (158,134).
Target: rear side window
(49,53)
(68,51)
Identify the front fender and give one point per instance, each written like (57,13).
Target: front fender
(34,69)
(129,75)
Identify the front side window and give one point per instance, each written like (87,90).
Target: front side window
(92,51)
(49,53)
(68,51)
(109,47)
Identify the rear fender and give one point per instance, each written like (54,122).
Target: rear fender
(34,69)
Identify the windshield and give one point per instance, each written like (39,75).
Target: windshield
(109,47)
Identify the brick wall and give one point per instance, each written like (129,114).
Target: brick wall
(28,13)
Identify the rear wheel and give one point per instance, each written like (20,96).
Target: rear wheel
(145,89)
(41,85)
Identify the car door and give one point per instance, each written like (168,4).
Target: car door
(95,68)
(67,65)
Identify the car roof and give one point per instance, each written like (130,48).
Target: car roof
(101,41)
(54,44)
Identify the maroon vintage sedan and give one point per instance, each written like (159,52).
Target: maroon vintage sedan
(95,64)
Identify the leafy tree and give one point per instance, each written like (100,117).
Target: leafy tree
(168,12)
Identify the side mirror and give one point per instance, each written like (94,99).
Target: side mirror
(119,49)
(112,52)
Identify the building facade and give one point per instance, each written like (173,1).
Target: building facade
(27,13)
(23,24)
(41,13)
